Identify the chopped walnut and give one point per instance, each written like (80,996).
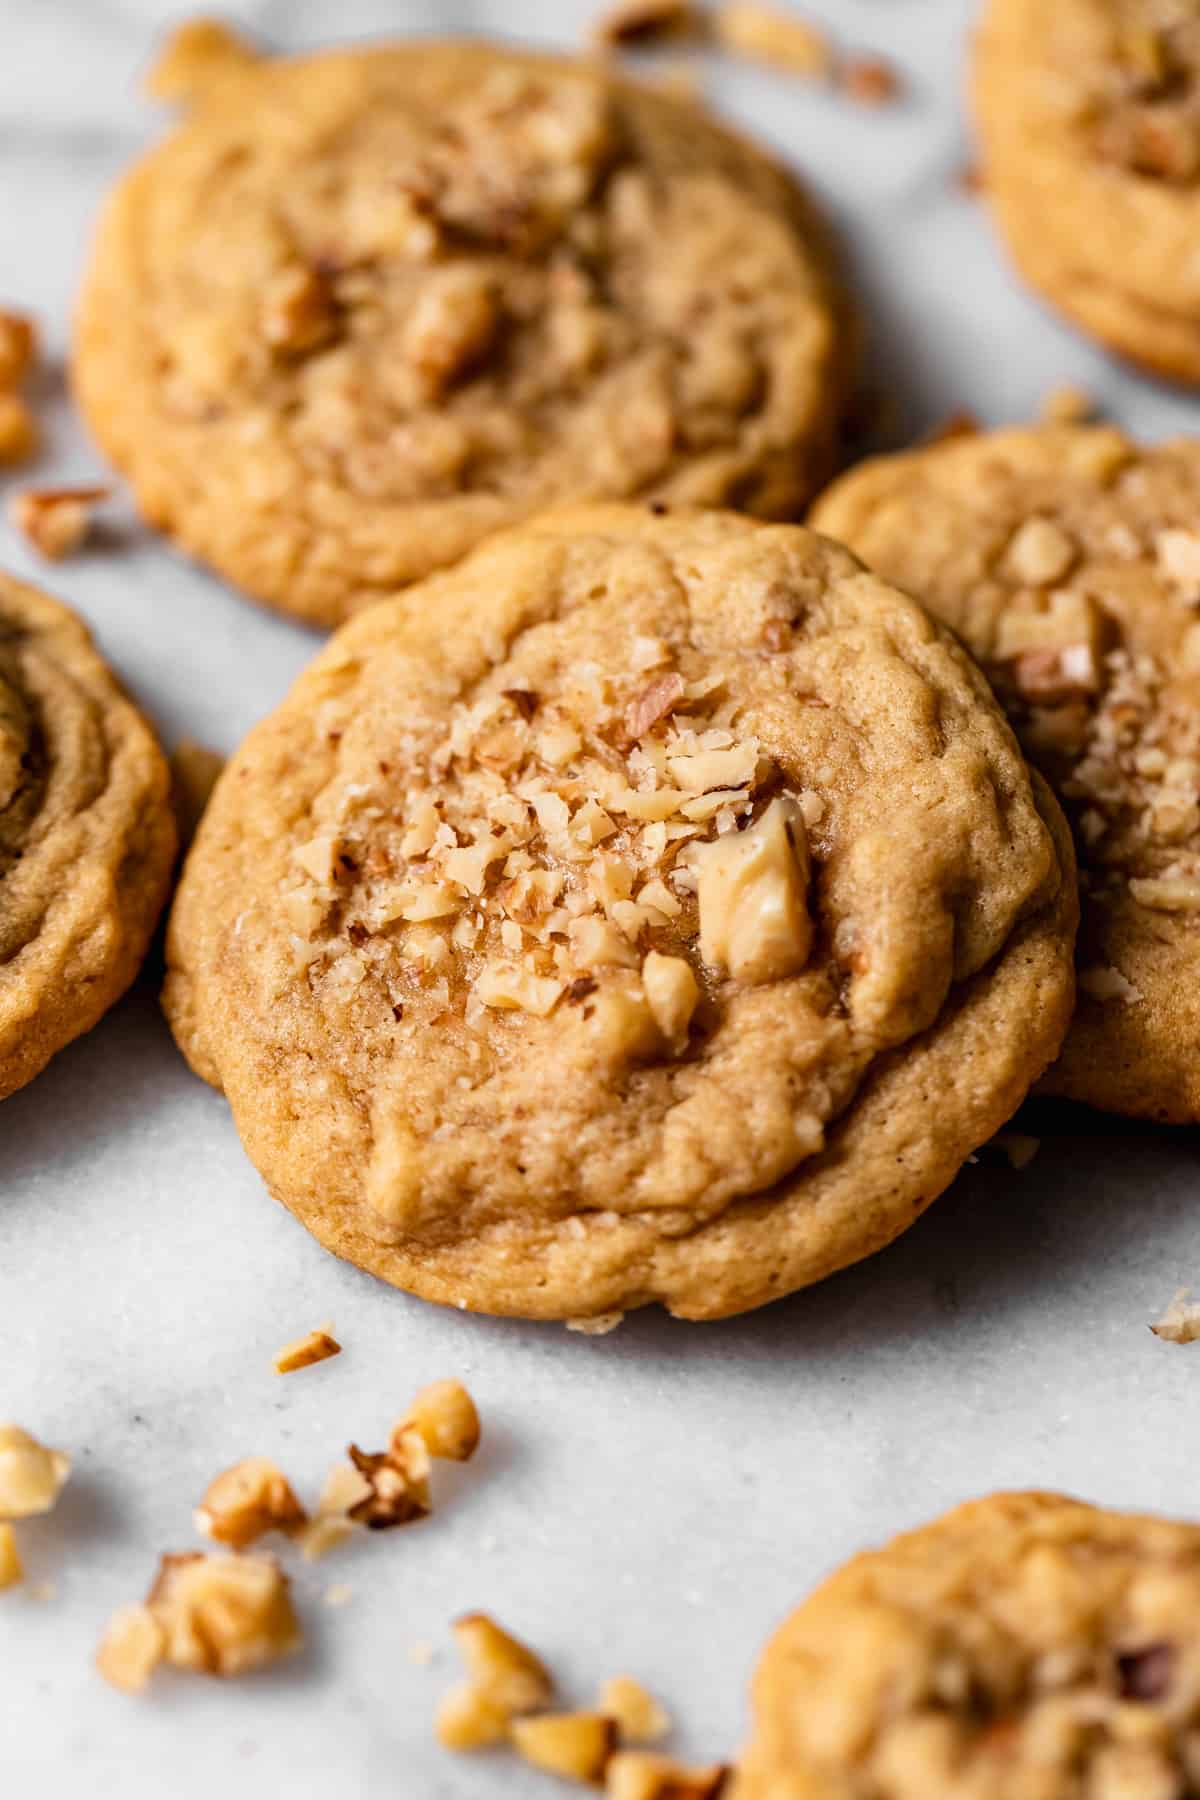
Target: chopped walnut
(511,987)
(502,1667)
(251,1498)
(18,347)
(641,21)
(299,311)
(314,1347)
(398,1479)
(222,1615)
(641,1775)
(753,887)
(870,80)
(195,56)
(1167,893)
(194,772)
(467,1719)
(56,520)
(445,1418)
(656,701)
(131,1648)
(11,1571)
(770,35)
(599,1325)
(1039,553)
(31,1476)
(1067,405)
(1180,1324)
(344,1489)
(18,432)
(639,1717)
(452,326)
(672,994)
(1178,555)
(576,1745)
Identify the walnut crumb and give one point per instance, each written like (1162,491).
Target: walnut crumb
(599,1325)
(445,1418)
(644,21)
(31,1476)
(1067,405)
(18,347)
(397,1479)
(299,311)
(641,1775)
(18,432)
(505,1680)
(246,1501)
(56,521)
(870,80)
(11,1571)
(314,1347)
(215,1615)
(639,1717)
(1180,1324)
(576,1745)
(769,35)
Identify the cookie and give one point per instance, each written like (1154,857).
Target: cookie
(1090,128)
(647,909)
(1068,559)
(365,307)
(1022,1647)
(86,836)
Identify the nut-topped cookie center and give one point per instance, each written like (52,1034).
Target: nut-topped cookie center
(1143,107)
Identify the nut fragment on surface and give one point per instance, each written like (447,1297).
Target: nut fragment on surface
(505,1679)
(445,1417)
(869,80)
(246,1501)
(672,994)
(639,1716)
(398,1480)
(56,520)
(1180,1324)
(752,891)
(598,1325)
(576,1745)
(344,1488)
(18,347)
(641,1775)
(31,1475)
(1067,405)
(194,57)
(641,21)
(769,34)
(131,1649)
(299,311)
(11,1571)
(1039,552)
(222,1615)
(314,1347)
(18,431)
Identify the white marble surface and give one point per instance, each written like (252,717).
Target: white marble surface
(651,1500)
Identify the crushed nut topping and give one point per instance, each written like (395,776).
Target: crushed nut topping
(314,1347)
(56,520)
(870,80)
(251,1498)
(1180,1324)
(215,1615)
(1040,552)
(576,1745)
(639,1716)
(599,1325)
(505,1680)
(31,1476)
(398,1479)
(299,311)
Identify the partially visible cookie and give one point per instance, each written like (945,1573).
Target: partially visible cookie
(1022,1647)
(1089,117)
(365,307)
(1068,559)
(86,835)
(649,908)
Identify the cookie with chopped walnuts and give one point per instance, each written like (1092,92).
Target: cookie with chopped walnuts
(86,833)
(1068,559)
(366,306)
(649,908)
(1089,119)
(1022,1647)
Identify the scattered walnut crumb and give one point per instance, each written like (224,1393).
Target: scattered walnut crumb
(215,1615)
(246,1501)
(18,347)
(196,55)
(299,311)
(505,1679)
(1067,405)
(56,520)
(1107,984)
(1019,1148)
(1180,1324)
(314,1347)
(444,1416)
(639,1716)
(752,892)
(644,21)
(641,1775)
(18,431)
(576,1745)
(869,80)
(31,1476)
(768,34)
(194,772)
(131,1649)
(398,1480)
(11,1571)
(599,1325)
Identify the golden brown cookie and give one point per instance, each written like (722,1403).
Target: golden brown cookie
(365,307)
(649,908)
(1022,1647)
(1089,116)
(1068,558)
(86,836)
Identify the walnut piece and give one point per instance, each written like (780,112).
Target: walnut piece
(770,35)
(639,1717)
(1039,552)
(344,1488)
(398,1479)
(444,1416)
(752,892)
(466,1719)
(314,1347)
(18,347)
(1180,1324)
(506,1670)
(222,1615)
(870,80)
(31,1476)
(1067,405)
(640,1775)
(246,1501)
(299,311)
(131,1649)
(672,994)
(642,21)
(452,326)
(11,1571)
(657,699)
(18,432)
(56,520)
(576,1745)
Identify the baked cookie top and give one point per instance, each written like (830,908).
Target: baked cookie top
(86,834)
(1089,112)
(1068,558)
(1022,1647)
(648,908)
(366,306)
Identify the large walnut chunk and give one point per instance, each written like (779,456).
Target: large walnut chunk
(752,890)
(244,1502)
(222,1615)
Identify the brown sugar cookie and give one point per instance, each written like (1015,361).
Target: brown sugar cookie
(364,307)
(1089,117)
(1068,559)
(1022,1647)
(86,835)
(649,908)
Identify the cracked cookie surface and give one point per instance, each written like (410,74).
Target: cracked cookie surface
(650,908)
(1089,118)
(364,307)
(1022,1647)
(1068,560)
(86,835)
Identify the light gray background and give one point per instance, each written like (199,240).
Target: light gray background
(650,1501)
